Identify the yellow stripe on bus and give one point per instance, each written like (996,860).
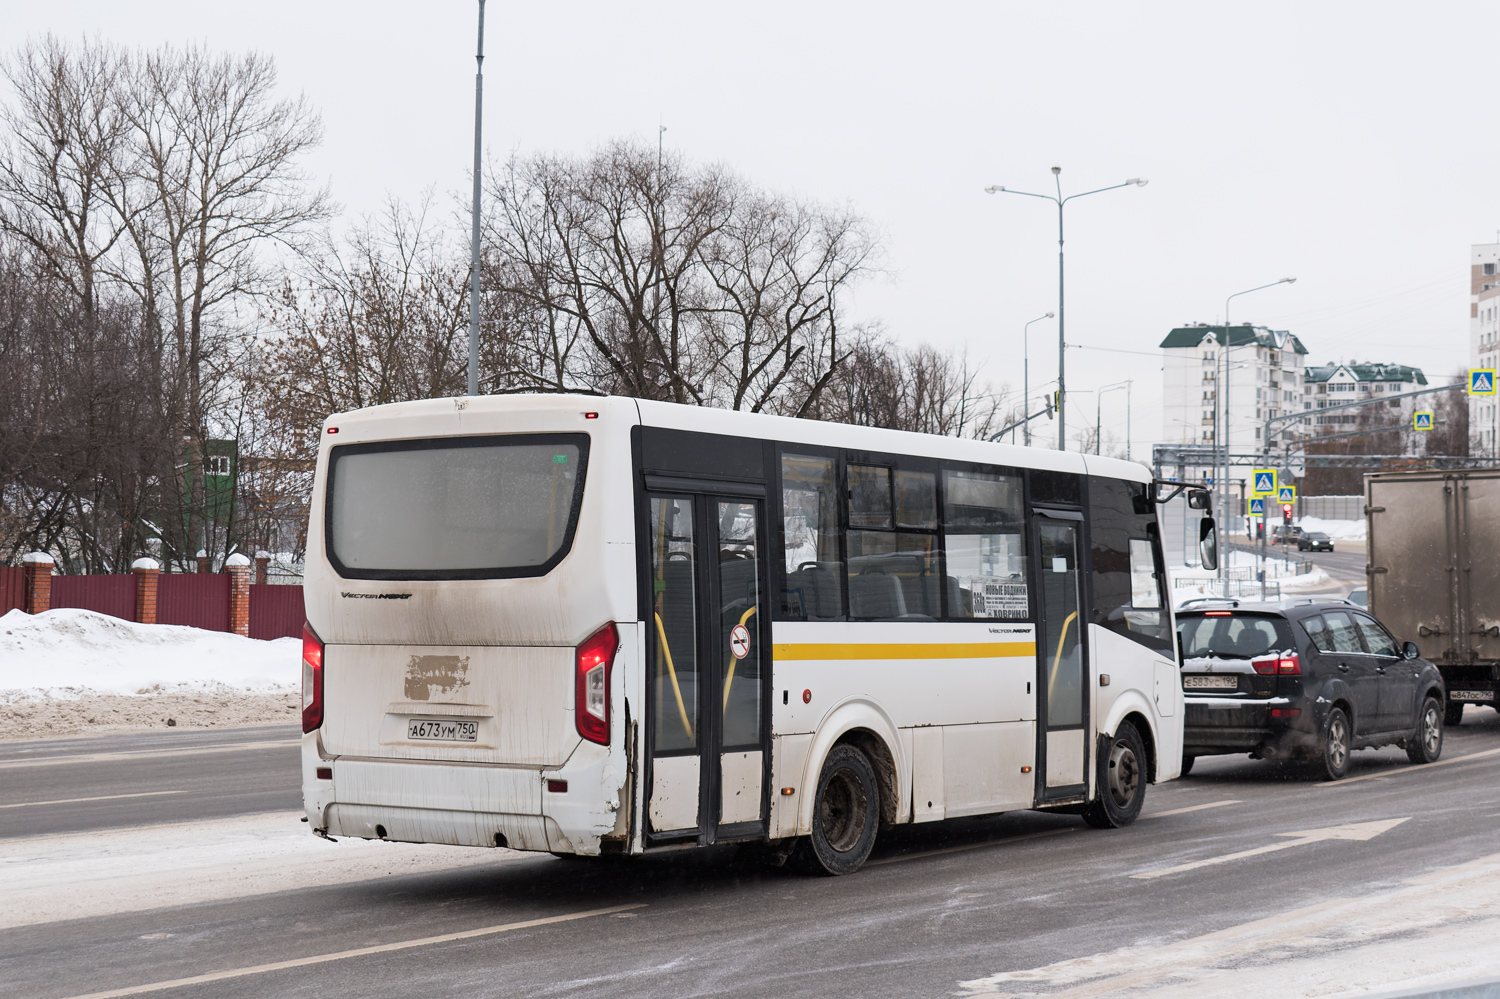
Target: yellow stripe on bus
(965,650)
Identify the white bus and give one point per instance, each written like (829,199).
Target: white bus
(593,625)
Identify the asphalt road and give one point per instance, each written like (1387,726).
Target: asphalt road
(70,785)
(1345,564)
(938,905)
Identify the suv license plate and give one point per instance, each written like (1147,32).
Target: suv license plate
(1210,683)
(442,730)
(1470,695)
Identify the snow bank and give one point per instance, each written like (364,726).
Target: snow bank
(64,653)
(1338,530)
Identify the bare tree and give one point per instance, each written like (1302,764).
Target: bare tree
(60,177)
(381,317)
(923,389)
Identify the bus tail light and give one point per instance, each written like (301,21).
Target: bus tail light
(594,661)
(312,680)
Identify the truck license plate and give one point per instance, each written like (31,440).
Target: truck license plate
(442,730)
(1210,683)
(1470,695)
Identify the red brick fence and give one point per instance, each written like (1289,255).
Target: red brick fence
(226,601)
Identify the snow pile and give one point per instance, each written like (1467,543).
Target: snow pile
(74,651)
(1338,530)
(67,671)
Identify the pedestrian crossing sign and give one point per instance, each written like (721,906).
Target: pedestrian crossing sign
(1263,482)
(1257,506)
(1286,494)
(1421,421)
(1482,381)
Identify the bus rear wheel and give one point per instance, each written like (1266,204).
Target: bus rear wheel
(1120,785)
(846,816)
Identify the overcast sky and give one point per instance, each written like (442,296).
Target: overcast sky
(1346,144)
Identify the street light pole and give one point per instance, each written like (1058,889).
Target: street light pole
(1060,201)
(1222,403)
(1099,413)
(474,221)
(1026,372)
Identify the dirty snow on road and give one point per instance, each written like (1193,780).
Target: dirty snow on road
(1436,928)
(78,875)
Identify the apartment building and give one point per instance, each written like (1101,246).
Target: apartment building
(1484,338)
(1327,385)
(1264,381)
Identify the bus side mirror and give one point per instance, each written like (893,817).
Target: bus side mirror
(1208,543)
(1198,499)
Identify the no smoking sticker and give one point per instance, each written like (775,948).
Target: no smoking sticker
(739,641)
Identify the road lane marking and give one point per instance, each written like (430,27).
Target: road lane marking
(102,797)
(1360,831)
(1406,770)
(967,846)
(303,962)
(1190,808)
(145,754)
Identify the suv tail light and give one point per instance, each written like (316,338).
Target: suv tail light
(594,661)
(312,680)
(1282,664)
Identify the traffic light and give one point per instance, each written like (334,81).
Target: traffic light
(1286,514)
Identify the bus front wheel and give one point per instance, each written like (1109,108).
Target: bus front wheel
(846,815)
(1120,785)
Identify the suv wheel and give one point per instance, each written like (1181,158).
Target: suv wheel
(1426,743)
(1333,762)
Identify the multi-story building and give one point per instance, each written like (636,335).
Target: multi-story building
(1332,384)
(1484,337)
(1264,380)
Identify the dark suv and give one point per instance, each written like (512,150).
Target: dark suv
(1307,680)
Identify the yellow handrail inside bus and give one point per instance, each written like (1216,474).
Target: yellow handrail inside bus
(729,677)
(672,672)
(1057,659)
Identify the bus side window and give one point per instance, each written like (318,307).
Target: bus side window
(1127,572)
(984,544)
(891,545)
(810,535)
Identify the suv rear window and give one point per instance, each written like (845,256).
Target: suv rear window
(1232,636)
(454,508)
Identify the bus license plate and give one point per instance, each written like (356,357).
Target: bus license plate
(1210,683)
(442,730)
(1470,695)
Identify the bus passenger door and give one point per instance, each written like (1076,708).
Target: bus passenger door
(709,667)
(1062,744)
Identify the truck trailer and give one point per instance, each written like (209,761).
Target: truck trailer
(1434,572)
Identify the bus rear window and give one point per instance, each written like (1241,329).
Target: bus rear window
(454,508)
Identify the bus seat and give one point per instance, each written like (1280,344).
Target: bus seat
(875,595)
(819,585)
(921,594)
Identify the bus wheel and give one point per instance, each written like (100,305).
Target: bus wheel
(846,814)
(1120,786)
(1187,764)
(1453,714)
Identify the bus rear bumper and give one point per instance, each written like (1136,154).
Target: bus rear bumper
(466,805)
